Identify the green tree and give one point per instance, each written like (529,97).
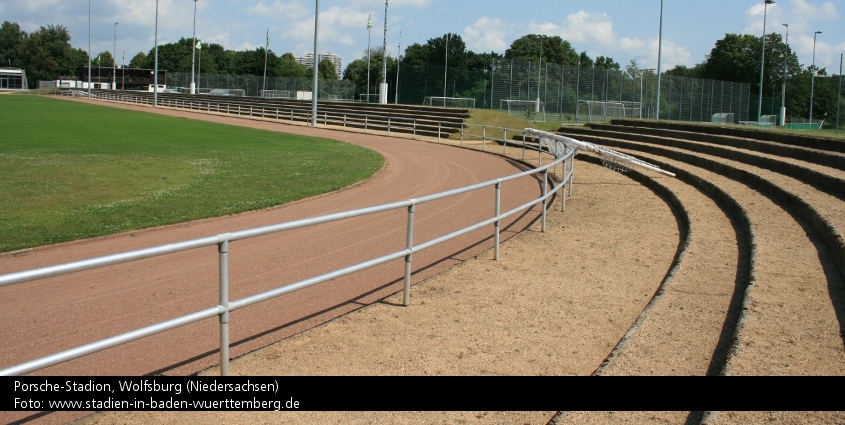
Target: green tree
(140,61)
(46,54)
(287,66)
(737,58)
(606,63)
(327,71)
(103,59)
(555,49)
(11,38)
(585,60)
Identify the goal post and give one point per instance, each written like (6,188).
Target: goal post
(449,102)
(603,110)
(531,109)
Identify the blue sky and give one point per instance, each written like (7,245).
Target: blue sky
(621,29)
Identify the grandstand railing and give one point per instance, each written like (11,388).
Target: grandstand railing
(225,306)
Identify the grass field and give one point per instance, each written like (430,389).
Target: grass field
(70,171)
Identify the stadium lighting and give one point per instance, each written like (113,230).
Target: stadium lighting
(89,48)
(813,80)
(316,65)
(659,57)
(194,52)
(839,102)
(446,67)
(398,63)
(369,38)
(382,96)
(783,88)
(766,4)
(114,60)
(155,71)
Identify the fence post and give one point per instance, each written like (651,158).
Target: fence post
(291,116)
(462,134)
(483,137)
(505,143)
(223,250)
(366,122)
(545,191)
(409,245)
(344,120)
(439,124)
(415,129)
(498,219)
(388,126)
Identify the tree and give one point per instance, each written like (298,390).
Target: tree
(555,49)
(47,54)
(287,66)
(327,71)
(606,63)
(11,38)
(140,61)
(737,58)
(585,59)
(103,60)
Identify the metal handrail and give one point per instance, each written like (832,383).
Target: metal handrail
(224,307)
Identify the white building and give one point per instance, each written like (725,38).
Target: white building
(308,61)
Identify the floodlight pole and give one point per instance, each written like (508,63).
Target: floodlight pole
(314,93)
(783,87)
(155,70)
(194,53)
(813,80)
(266,52)
(539,75)
(114,60)
(659,58)
(89,48)
(839,102)
(766,4)
(369,38)
(382,97)
(398,62)
(446,69)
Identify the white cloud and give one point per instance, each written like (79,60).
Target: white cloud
(486,35)
(279,9)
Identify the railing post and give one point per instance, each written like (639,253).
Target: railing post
(325,119)
(415,129)
(462,134)
(505,143)
(523,145)
(545,191)
(439,125)
(344,120)
(483,136)
(388,126)
(365,122)
(223,250)
(498,219)
(409,245)
(291,116)
(571,169)
(539,153)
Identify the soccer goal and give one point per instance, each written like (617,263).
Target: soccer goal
(277,94)
(532,109)
(449,102)
(603,110)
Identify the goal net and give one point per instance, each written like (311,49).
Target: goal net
(532,110)
(601,111)
(449,102)
(277,94)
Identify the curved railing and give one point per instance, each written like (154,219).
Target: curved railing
(222,310)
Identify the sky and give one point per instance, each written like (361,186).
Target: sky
(622,29)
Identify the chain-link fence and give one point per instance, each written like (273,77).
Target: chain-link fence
(571,93)
(252,85)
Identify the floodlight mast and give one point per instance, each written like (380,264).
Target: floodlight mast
(766,3)
(89,47)
(194,53)
(114,60)
(783,86)
(383,89)
(314,93)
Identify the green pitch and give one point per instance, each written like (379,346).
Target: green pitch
(71,171)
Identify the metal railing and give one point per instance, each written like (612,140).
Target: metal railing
(224,307)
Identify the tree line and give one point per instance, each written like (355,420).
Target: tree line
(46,54)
